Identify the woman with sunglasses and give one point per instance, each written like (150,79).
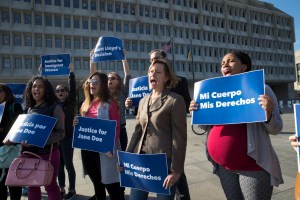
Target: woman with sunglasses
(101,168)
(66,97)
(11,111)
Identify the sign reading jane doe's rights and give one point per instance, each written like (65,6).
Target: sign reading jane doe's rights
(95,134)
(53,65)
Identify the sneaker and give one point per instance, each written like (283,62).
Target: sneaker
(70,195)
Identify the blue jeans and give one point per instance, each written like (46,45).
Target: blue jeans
(136,194)
(66,159)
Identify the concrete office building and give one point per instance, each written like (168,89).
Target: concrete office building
(30,28)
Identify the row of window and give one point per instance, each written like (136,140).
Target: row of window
(28,62)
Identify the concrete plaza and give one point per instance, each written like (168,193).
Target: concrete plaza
(202,183)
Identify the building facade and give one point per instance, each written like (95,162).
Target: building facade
(211,28)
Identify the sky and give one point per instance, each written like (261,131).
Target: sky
(291,7)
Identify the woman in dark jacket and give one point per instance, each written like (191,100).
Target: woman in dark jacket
(12,110)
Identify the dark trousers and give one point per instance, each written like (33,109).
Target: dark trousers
(123,137)
(66,159)
(15,192)
(183,188)
(91,166)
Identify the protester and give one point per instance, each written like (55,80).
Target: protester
(101,168)
(66,97)
(242,154)
(182,89)
(39,98)
(11,111)
(161,126)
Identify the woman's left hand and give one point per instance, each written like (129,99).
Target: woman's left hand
(267,104)
(171,179)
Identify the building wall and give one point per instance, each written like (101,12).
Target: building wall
(297,65)
(211,28)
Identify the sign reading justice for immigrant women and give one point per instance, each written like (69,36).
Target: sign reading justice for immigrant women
(95,134)
(108,48)
(53,65)
(138,88)
(145,172)
(230,99)
(33,128)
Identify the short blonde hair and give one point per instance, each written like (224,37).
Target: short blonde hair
(173,80)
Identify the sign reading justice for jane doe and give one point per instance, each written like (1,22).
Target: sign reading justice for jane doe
(95,134)
(138,88)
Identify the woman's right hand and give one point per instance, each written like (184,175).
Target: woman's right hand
(75,121)
(193,106)
(294,141)
(128,102)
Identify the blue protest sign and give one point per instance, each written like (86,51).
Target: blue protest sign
(33,128)
(108,48)
(2,106)
(53,65)
(18,90)
(145,172)
(230,99)
(95,134)
(297,128)
(138,88)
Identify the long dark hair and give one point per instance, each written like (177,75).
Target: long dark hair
(49,98)
(9,96)
(244,58)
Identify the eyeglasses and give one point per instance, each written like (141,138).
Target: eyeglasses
(93,81)
(112,78)
(60,90)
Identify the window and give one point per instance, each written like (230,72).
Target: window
(135,65)
(141,28)
(85,23)
(77,63)
(27,18)
(48,2)
(67,3)
(126,27)
(67,22)
(38,41)
(117,7)
(84,4)
(38,1)
(5,16)
(110,25)
(75,3)
(133,27)
(17,17)
(148,46)
(48,20)
(38,19)
(17,40)
(77,43)
(134,46)
(111,65)
(28,63)
(28,40)
(125,8)
(57,3)
(68,42)
(102,24)
(76,23)
(148,29)
(86,63)
(94,24)
(18,62)
(58,42)
(48,41)
(93,5)
(6,39)
(142,46)
(102,6)
(118,26)
(57,21)
(132,9)
(6,62)
(109,6)
(86,43)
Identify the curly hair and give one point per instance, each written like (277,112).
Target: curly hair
(9,96)
(49,97)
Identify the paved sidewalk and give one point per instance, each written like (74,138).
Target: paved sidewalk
(202,183)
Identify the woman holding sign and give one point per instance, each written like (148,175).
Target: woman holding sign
(10,113)
(242,154)
(39,98)
(101,168)
(161,126)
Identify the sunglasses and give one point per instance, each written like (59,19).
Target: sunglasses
(93,81)
(60,90)
(112,78)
